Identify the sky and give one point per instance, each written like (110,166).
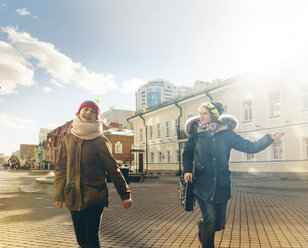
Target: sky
(56,54)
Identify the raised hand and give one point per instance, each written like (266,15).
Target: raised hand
(277,135)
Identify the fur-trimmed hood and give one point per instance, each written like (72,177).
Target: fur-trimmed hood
(229,121)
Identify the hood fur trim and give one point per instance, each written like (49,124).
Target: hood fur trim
(227,120)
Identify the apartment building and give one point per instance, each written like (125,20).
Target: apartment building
(261,104)
(156,92)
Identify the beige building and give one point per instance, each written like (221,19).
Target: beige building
(118,116)
(261,104)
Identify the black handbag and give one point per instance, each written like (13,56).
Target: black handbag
(187,197)
(186,194)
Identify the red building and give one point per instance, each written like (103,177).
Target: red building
(53,142)
(121,145)
(121,142)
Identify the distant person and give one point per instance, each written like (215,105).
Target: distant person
(211,138)
(80,175)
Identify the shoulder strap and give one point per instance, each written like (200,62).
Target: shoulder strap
(195,142)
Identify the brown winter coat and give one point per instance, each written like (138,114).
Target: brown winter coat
(80,173)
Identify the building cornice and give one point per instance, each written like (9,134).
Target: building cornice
(215,88)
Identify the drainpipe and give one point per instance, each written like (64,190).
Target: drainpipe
(208,95)
(146,144)
(131,125)
(178,135)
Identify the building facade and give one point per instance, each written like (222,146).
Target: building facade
(118,116)
(156,92)
(53,143)
(261,104)
(121,143)
(43,135)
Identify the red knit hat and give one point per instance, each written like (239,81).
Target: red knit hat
(94,104)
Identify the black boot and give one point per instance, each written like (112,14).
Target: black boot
(206,235)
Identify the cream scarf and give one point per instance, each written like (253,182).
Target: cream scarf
(86,131)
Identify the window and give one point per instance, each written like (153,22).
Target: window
(140,134)
(177,156)
(153,97)
(160,157)
(152,157)
(158,130)
(250,157)
(150,132)
(168,156)
(168,129)
(175,127)
(247,110)
(118,147)
(275,104)
(277,150)
(306,148)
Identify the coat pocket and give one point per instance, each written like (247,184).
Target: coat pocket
(224,178)
(69,195)
(95,193)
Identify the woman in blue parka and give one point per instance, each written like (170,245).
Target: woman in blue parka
(211,138)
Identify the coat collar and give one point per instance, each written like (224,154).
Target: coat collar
(228,122)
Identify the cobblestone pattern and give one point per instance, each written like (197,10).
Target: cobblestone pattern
(262,213)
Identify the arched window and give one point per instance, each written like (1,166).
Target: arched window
(118,147)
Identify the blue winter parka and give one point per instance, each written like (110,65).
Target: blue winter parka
(211,154)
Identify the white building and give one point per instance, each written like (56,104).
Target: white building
(43,135)
(118,116)
(156,92)
(261,104)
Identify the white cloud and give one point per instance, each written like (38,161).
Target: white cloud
(2,100)
(131,86)
(47,89)
(60,67)
(16,122)
(15,71)
(56,83)
(3,5)
(23,12)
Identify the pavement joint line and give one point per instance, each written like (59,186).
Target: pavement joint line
(262,213)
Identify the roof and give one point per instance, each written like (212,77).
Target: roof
(125,132)
(177,100)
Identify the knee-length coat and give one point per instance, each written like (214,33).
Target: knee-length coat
(211,154)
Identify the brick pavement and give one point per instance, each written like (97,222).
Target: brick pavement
(262,213)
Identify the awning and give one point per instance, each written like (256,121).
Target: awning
(137,150)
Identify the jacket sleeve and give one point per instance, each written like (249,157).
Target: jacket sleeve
(60,174)
(188,155)
(250,147)
(114,172)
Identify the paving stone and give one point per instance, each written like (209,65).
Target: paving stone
(262,213)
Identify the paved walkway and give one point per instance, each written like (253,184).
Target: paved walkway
(262,213)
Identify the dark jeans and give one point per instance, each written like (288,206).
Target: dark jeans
(214,219)
(86,226)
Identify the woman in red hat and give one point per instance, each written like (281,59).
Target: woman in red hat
(81,171)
